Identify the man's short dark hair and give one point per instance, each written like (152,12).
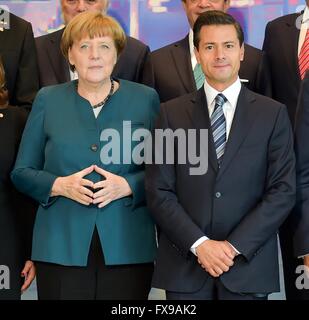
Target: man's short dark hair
(216,18)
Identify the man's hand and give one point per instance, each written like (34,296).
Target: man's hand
(29,274)
(215,257)
(75,187)
(112,188)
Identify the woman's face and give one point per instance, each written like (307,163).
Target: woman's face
(94,59)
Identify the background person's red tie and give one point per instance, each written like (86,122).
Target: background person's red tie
(303,59)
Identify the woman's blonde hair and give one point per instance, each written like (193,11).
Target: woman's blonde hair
(92,24)
(3,92)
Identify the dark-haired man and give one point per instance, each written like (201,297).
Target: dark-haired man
(174,71)
(219,229)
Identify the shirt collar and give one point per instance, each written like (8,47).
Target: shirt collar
(191,46)
(306,15)
(231,93)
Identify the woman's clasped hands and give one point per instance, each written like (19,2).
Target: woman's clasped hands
(86,192)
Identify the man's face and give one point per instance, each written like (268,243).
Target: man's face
(194,8)
(219,54)
(71,8)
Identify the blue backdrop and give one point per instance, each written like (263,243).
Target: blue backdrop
(158,22)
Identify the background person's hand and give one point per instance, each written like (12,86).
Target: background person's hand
(28,273)
(112,188)
(75,187)
(215,257)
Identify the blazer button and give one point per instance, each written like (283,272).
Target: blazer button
(94,147)
(218,194)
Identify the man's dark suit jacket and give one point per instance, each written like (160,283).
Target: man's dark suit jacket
(170,71)
(281,48)
(54,68)
(17,211)
(243,202)
(17,50)
(301,236)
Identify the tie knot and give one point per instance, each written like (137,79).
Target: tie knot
(220,99)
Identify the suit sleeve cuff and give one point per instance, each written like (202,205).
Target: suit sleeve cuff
(234,248)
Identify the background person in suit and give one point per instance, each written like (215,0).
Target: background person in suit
(286,40)
(174,71)
(54,68)
(301,238)
(16,216)
(94,237)
(17,50)
(283,42)
(219,229)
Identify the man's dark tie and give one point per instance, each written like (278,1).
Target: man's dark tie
(218,126)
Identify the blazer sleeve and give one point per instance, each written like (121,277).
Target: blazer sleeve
(27,81)
(266,217)
(28,174)
(162,200)
(301,213)
(136,180)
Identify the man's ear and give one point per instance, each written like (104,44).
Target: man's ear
(197,55)
(242,52)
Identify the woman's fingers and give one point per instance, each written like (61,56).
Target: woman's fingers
(86,191)
(85,171)
(87,183)
(102,198)
(101,184)
(83,199)
(101,171)
(104,203)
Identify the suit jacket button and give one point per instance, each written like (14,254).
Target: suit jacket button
(94,147)
(218,194)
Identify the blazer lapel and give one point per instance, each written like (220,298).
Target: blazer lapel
(242,122)
(58,62)
(181,57)
(198,113)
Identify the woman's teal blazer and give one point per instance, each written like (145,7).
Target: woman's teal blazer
(62,136)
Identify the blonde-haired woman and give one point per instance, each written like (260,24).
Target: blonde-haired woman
(93,235)
(15,212)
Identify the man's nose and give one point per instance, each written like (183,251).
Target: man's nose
(81,6)
(220,53)
(204,3)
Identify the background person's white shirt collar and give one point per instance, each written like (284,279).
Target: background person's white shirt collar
(303,29)
(191,46)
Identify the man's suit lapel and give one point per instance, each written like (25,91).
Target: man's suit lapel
(181,57)
(57,61)
(198,113)
(242,122)
(291,34)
